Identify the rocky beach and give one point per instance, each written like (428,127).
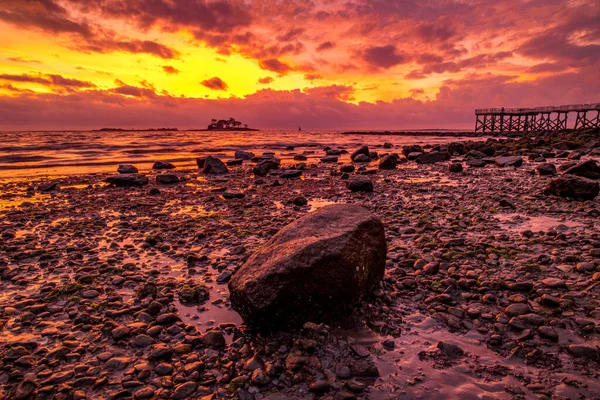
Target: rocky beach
(116,283)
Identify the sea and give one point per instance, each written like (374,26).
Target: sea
(46,154)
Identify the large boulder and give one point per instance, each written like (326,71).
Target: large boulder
(127,180)
(432,158)
(214,166)
(314,269)
(587,169)
(573,187)
(364,150)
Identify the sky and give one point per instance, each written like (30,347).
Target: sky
(277,64)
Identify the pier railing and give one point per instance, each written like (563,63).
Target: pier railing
(548,118)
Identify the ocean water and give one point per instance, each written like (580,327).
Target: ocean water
(34,154)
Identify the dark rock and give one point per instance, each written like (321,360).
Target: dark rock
(291,173)
(243,155)
(456,148)
(546,169)
(300,201)
(587,169)
(233,195)
(347,168)
(127,169)
(167,179)
(455,167)
(509,161)
(184,390)
(325,261)
(127,180)
(233,163)
(415,148)
(48,187)
(476,163)
(263,167)
(574,187)
(329,159)
(361,158)
(450,349)
(214,166)
(432,158)
(388,145)
(163,165)
(360,185)
(300,157)
(388,162)
(364,150)
(214,340)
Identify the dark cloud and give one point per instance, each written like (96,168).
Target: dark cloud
(325,46)
(23,60)
(291,34)
(275,65)
(134,91)
(130,46)
(207,15)
(215,83)
(46,15)
(48,80)
(383,56)
(312,77)
(266,80)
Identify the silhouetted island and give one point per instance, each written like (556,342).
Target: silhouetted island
(230,124)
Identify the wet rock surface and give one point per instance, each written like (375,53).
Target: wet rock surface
(314,269)
(93,298)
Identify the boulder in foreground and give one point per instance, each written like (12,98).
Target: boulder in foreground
(127,180)
(312,270)
(573,187)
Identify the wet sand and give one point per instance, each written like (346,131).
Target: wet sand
(97,287)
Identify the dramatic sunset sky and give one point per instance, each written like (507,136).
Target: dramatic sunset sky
(327,64)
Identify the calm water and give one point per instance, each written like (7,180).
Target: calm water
(24,154)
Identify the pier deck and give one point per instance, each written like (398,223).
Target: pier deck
(550,118)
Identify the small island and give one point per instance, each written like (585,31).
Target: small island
(230,124)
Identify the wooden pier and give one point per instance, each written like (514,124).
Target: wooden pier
(538,119)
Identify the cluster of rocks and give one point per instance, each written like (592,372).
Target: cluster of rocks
(123,293)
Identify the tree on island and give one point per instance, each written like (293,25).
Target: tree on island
(230,123)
